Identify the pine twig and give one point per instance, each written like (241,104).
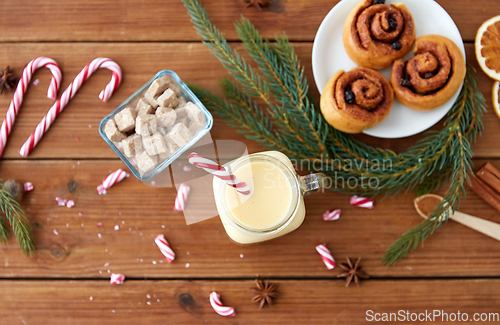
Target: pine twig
(17,219)
(301,132)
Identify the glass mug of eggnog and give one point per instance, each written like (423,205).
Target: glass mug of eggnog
(275,205)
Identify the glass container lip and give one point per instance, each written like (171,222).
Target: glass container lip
(271,230)
(189,95)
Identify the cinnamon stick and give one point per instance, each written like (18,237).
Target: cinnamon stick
(490,175)
(485,192)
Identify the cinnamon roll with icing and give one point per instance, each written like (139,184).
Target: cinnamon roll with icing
(356,100)
(432,76)
(376,34)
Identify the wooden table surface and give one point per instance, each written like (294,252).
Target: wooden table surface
(67,281)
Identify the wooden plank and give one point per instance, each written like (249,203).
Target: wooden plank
(156,20)
(203,249)
(82,116)
(300,302)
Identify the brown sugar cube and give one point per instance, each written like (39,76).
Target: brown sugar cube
(172,146)
(155,144)
(143,107)
(145,162)
(181,112)
(180,134)
(125,119)
(112,131)
(146,125)
(181,101)
(132,145)
(159,86)
(167,99)
(163,131)
(166,116)
(151,100)
(194,128)
(194,113)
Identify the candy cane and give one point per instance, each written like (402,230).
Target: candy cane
(110,180)
(332,215)
(180,200)
(362,202)
(117,278)
(164,247)
(326,256)
(22,86)
(217,170)
(69,93)
(219,307)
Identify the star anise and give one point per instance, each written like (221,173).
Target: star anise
(264,292)
(352,272)
(7,80)
(257,3)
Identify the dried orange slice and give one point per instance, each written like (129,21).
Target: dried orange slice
(496,97)
(488,47)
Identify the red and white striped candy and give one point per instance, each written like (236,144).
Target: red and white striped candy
(70,204)
(117,278)
(180,200)
(218,307)
(28,187)
(69,93)
(22,86)
(217,170)
(362,202)
(164,247)
(112,179)
(331,215)
(326,256)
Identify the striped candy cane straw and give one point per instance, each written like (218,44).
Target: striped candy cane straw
(217,170)
(362,202)
(112,179)
(180,200)
(332,215)
(22,86)
(218,307)
(326,256)
(69,93)
(164,247)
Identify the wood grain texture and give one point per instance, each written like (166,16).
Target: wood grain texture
(186,302)
(159,20)
(191,61)
(143,212)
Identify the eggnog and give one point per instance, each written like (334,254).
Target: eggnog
(275,205)
(269,201)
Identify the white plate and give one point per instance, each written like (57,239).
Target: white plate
(329,56)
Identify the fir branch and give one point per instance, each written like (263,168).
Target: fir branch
(300,131)
(20,225)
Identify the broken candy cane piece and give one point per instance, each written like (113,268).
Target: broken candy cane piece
(180,200)
(362,202)
(70,204)
(110,180)
(165,248)
(326,256)
(117,278)
(331,215)
(218,307)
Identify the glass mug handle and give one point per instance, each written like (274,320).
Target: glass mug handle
(312,182)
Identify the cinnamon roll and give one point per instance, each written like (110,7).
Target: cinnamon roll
(356,100)
(432,76)
(376,34)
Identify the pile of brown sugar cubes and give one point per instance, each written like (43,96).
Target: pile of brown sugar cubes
(160,124)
